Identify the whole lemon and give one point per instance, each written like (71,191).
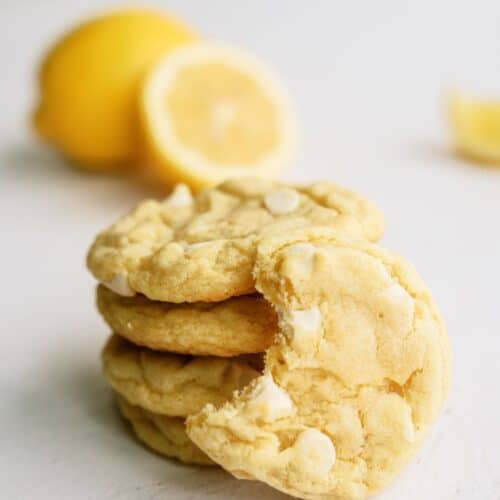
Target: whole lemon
(89,83)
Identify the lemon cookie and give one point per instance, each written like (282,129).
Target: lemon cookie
(238,325)
(203,249)
(358,375)
(165,435)
(172,384)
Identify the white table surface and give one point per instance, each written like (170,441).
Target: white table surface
(368,78)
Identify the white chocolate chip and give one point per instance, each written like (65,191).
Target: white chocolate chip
(176,247)
(396,294)
(119,284)
(180,197)
(315,451)
(269,401)
(304,324)
(303,256)
(282,201)
(199,244)
(301,249)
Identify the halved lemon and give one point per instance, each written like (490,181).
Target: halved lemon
(211,112)
(89,83)
(476,127)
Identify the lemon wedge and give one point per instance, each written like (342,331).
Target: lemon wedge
(211,112)
(476,127)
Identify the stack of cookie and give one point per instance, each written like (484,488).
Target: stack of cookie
(196,290)
(157,389)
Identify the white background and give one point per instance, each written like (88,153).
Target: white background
(368,78)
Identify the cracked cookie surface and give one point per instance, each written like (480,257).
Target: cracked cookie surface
(203,249)
(239,325)
(173,384)
(164,435)
(358,375)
